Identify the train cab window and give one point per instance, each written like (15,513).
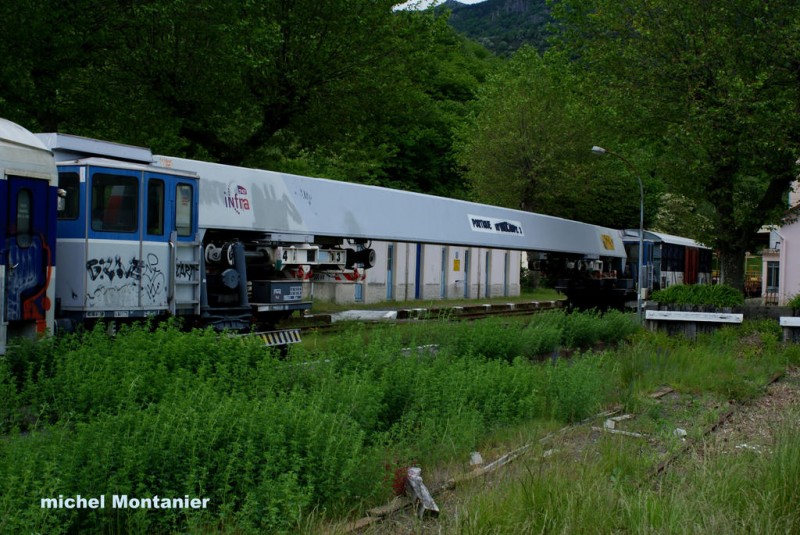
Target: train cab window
(115,202)
(183,209)
(24,218)
(155,207)
(70,183)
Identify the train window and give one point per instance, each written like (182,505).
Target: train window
(24,218)
(155,207)
(70,183)
(183,209)
(115,202)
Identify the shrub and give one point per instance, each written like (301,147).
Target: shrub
(794,302)
(718,295)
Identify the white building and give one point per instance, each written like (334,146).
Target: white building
(413,271)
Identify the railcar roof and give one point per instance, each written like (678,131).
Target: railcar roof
(662,237)
(14,133)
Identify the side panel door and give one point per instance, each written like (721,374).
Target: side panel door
(183,227)
(113,261)
(155,243)
(29,253)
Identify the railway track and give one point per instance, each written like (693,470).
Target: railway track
(339,321)
(738,422)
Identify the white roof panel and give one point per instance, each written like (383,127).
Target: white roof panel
(22,153)
(69,147)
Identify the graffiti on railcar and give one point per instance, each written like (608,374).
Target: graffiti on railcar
(186,271)
(115,282)
(28,270)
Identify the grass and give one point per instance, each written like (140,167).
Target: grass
(603,493)
(281,445)
(607,486)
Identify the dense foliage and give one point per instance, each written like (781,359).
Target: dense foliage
(169,413)
(716,295)
(526,145)
(707,93)
(699,99)
(352,91)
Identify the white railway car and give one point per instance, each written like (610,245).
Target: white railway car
(668,259)
(140,235)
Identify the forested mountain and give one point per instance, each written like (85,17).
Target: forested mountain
(502,26)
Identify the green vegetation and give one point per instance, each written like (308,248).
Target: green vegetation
(794,302)
(355,92)
(598,494)
(167,413)
(701,99)
(716,295)
(705,491)
(698,99)
(531,130)
(278,445)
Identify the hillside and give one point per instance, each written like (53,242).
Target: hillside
(502,26)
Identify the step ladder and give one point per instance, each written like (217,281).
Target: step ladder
(185,276)
(279,338)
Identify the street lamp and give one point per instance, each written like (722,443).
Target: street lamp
(640,268)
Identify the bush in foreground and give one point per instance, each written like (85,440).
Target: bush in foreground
(169,413)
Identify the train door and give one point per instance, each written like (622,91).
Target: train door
(647,261)
(29,255)
(154,255)
(184,246)
(113,270)
(506,267)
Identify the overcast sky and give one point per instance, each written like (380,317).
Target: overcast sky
(422,4)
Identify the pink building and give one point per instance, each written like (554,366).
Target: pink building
(780,278)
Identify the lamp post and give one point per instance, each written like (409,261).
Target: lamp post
(640,268)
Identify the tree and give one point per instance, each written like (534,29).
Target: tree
(679,215)
(351,90)
(47,48)
(714,86)
(527,146)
